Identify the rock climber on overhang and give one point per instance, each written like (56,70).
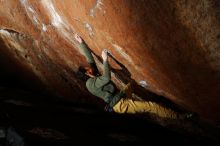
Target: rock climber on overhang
(118,101)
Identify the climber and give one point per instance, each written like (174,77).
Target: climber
(102,87)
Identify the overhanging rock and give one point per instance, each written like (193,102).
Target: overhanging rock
(171,47)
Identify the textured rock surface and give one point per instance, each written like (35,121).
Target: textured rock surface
(171,46)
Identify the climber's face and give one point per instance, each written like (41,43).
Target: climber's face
(89,72)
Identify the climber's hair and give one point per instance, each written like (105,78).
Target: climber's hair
(82,73)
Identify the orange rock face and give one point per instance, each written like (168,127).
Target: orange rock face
(171,47)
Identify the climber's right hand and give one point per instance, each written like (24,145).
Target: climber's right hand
(78,38)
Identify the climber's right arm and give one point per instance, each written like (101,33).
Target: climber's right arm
(86,51)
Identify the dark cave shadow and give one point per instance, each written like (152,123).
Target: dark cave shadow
(71,123)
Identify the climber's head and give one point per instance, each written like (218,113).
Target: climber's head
(84,73)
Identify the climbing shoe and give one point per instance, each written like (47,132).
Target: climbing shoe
(193,117)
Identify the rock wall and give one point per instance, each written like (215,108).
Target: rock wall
(171,47)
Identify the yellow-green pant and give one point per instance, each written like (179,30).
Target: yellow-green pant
(131,106)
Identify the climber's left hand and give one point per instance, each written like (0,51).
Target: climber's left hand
(78,38)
